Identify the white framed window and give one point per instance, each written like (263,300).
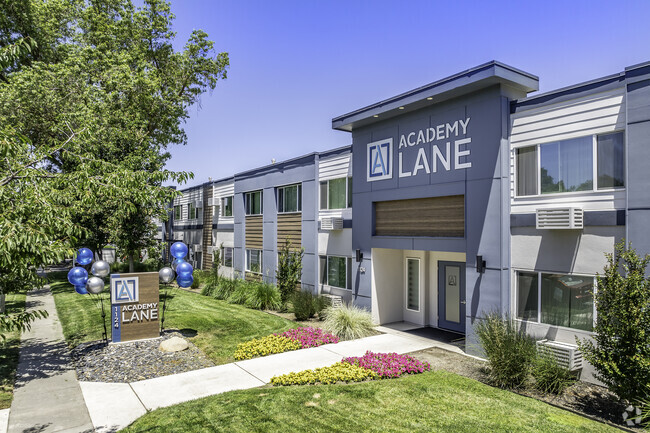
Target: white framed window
(290,198)
(226,206)
(254,261)
(336,193)
(556,299)
(335,271)
(253,202)
(590,163)
(193,212)
(413,284)
(226,257)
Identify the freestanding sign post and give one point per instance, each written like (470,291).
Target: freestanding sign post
(134,306)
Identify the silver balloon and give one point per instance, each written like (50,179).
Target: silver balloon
(166,275)
(100,268)
(95,285)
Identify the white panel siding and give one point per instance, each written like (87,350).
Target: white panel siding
(193,196)
(595,114)
(223,190)
(333,168)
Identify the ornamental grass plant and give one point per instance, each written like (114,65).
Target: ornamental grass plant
(551,377)
(348,322)
(263,296)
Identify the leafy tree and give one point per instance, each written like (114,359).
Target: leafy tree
(621,352)
(289,271)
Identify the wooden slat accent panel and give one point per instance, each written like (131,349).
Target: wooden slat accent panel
(290,226)
(254,237)
(431,217)
(207,228)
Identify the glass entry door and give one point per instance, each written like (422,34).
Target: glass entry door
(451,296)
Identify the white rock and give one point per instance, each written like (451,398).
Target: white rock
(174,344)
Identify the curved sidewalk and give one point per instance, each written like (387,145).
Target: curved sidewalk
(113,406)
(47,396)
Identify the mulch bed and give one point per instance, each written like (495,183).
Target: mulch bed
(133,361)
(583,398)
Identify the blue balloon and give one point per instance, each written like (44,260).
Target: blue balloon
(178,250)
(184,281)
(184,269)
(84,256)
(78,276)
(81,290)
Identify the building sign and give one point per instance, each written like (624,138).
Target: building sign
(440,148)
(134,306)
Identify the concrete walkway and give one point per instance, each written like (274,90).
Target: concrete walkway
(47,396)
(113,406)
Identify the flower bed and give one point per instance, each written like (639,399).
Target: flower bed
(294,339)
(310,337)
(356,369)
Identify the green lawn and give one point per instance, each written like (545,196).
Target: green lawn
(431,402)
(15,302)
(216,327)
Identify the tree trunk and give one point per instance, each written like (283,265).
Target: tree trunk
(131,262)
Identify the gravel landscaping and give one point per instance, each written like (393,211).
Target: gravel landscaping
(130,362)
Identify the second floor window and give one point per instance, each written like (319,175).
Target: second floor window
(226,206)
(226,256)
(336,193)
(290,198)
(178,212)
(253,202)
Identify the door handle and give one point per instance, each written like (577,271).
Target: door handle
(463,302)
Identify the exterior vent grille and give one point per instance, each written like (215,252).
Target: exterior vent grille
(331,224)
(560,218)
(334,300)
(566,355)
(210,201)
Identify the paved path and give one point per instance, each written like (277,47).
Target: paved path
(113,406)
(47,396)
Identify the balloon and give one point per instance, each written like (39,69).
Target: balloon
(183,269)
(166,275)
(84,256)
(95,285)
(78,276)
(178,250)
(184,280)
(175,263)
(81,290)
(100,268)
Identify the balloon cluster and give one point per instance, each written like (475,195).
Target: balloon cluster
(78,276)
(183,269)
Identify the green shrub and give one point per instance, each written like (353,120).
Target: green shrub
(303,305)
(339,372)
(264,296)
(509,351)
(265,346)
(289,271)
(225,288)
(620,352)
(198,278)
(550,376)
(348,322)
(240,294)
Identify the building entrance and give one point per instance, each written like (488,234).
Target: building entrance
(451,296)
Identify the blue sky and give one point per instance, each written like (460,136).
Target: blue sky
(297,64)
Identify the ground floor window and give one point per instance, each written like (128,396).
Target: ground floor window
(226,257)
(556,299)
(335,271)
(413,284)
(254,261)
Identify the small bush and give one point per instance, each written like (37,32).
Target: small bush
(509,351)
(240,293)
(310,337)
(198,278)
(303,305)
(550,376)
(265,346)
(348,322)
(389,365)
(339,372)
(264,296)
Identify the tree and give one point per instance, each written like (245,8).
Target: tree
(289,271)
(621,352)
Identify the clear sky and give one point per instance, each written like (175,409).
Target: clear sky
(297,64)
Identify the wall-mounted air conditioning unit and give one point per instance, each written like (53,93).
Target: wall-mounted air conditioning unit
(560,218)
(210,201)
(197,248)
(566,355)
(333,300)
(331,223)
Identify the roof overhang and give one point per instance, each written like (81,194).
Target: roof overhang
(471,80)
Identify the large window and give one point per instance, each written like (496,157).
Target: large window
(178,212)
(226,257)
(290,198)
(569,165)
(336,193)
(253,202)
(335,271)
(226,206)
(254,261)
(556,299)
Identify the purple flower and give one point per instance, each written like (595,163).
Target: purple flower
(310,337)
